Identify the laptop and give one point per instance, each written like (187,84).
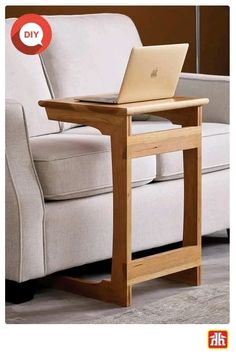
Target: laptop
(152,73)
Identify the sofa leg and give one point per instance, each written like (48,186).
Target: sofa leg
(228,234)
(18,293)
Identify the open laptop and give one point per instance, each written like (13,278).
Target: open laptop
(152,73)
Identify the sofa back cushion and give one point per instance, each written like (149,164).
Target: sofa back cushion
(88,53)
(26,83)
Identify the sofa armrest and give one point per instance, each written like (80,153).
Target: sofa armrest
(215,87)
(24,202)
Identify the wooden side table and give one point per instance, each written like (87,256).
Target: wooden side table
(182,264)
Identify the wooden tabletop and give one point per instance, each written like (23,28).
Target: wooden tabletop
(72,103)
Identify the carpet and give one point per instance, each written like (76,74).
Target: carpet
(206,304)
(155,301)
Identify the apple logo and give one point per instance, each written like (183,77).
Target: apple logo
(154,72)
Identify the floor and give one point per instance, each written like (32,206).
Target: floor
(54,306)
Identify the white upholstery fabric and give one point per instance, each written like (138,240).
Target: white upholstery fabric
(215,145)
(24,202)
(79,231)
(88,53)
(25,82)
(215,153)
(215,87)
(71,166)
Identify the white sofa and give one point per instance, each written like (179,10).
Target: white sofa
(58,176)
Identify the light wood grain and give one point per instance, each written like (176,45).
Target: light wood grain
(103,290)
(189,276)
(155,266)
(192,199)
(71,104)
(164,105)
(106,123)
(121,172)
(193,196)
(164,141)
(115,120)
(184,116)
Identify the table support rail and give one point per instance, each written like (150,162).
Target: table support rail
(162,264)
(164,141)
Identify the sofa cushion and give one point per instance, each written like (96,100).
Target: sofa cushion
(77,162)
(26,83)
(136,127)
(76,165)
(215,147)
(88,53)
(215,153)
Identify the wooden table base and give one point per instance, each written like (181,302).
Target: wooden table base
(121,294)
(181,264)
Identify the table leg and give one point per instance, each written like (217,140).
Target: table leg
(121,171)
(115,290)
(192,204)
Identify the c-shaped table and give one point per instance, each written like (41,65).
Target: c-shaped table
(182,264)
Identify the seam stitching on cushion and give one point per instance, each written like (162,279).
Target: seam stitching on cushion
(212,135)
(60,124)
(95,188)
(20,221)
(204,80)
(105,151)
(40,191)
(71,157)
(46,76)
(204,170)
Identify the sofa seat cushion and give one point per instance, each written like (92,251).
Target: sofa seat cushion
(215,147)
(77,162)
(215,153)
(76,165)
